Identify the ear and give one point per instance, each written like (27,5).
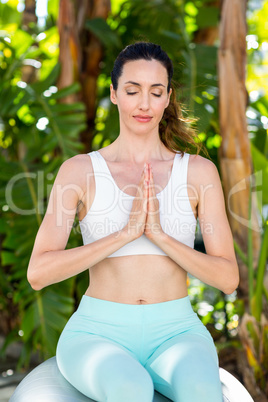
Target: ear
(168,99)
(113,94)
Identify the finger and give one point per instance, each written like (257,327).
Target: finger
(146,172)
(150,195)
(153,205)
(142,179)
(149,182)
(145,186)
(145,194)
(146,176)
(152,188)
(140,186)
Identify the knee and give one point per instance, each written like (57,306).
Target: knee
(201,389)
(209,389)
(133,390)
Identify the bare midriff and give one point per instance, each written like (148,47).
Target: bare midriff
(137,279)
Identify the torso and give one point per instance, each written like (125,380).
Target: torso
(137,279)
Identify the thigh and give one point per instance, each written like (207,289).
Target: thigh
(103,370)
(185,369)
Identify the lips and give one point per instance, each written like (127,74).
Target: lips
(143,118)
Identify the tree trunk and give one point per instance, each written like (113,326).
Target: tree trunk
(28,71)
(29,15)
(208,35)
(234,154)
(80,55)
(92,52)
(70,57)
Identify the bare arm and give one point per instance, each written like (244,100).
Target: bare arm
(50,262)
(57,265)
(218,267)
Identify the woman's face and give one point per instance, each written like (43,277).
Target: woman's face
(141,96)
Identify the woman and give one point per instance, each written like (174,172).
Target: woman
(139,198)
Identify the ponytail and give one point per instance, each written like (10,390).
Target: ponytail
(175,130)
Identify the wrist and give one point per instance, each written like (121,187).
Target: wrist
(158,238)
(129,234)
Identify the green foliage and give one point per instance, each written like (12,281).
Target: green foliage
(37,133)
(219,312)
(255,276)
(257,85)
(208,16)
(103,32)
(254,338)
(253,326)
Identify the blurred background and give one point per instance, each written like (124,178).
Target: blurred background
(55,62)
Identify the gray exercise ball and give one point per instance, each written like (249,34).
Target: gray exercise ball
(46,384)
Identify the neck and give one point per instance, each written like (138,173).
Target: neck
(138,149)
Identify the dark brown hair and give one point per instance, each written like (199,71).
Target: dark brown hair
(175,131)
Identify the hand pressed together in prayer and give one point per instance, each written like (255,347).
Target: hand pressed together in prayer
(152,225)
(144,216)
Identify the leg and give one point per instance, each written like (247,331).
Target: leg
(104,370)
(185,369)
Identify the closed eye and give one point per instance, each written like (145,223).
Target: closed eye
(133,93)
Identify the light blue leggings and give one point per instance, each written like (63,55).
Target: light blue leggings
(120,352)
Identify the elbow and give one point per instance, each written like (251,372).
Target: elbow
(33,281)
(232,283)
(228,290)
(36,287)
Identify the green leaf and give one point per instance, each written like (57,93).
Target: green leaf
(29,321)
(66,108)
(261,268)
(69,90)
(261,167)
(100,28)
(8,258)
(208,17)
(9,15)
(41,86)
(53,8)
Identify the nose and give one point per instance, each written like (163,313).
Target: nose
(144,102)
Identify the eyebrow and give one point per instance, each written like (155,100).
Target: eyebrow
(136,83)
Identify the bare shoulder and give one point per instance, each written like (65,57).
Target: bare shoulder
(77,172)
(198,161)
(77,161)
(202,170)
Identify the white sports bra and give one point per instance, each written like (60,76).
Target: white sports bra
(111,208)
